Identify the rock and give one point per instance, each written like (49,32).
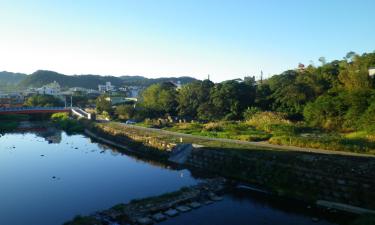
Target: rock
(216,198)
(159,217)
(145,221)
(183,208)
(171,212)
(341,181)
(195,205)
(314,219)
(208,202)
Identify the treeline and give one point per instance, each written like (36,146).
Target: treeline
(337,95)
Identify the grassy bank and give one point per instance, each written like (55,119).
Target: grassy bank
(162,136)
(278,131)
(137,143)
(227,129)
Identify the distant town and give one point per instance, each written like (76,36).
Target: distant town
(115,95)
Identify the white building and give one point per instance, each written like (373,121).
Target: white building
(107,87)
(50,89)
(133,91)
(371,71)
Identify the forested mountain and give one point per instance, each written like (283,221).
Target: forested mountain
(11,78)
(42,77)
(143,81)
(9,81)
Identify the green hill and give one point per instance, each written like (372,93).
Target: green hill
(9,81)
(42,77)
(11,78)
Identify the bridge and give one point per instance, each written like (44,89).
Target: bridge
(37,110)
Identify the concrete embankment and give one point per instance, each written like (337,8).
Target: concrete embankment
(308,176)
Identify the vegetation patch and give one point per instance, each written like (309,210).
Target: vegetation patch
(222,129)
(63,121)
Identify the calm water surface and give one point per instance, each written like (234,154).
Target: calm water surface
(48,178)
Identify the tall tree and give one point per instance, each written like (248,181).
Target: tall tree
(160,99)
(192,96)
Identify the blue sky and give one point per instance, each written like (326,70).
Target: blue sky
(226,39)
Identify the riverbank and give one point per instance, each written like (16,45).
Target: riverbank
(288,134)
(310,176)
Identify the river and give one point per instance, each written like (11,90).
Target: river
(47,177)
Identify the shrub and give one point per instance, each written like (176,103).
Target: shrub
(267,120)
(125,112)
(63,121)
(214,126)
(368,119)
(189,126)
(250,112)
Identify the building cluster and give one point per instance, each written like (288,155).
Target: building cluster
(11,100)
(107,87)
(116,95)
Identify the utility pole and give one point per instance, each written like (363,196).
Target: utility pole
(71,101)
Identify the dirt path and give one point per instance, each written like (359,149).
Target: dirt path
(249,143)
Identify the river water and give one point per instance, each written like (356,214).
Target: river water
(47,177)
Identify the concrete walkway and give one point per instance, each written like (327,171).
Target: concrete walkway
(249,143)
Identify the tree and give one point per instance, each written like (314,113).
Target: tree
(262,98)
(44,101)
(354,75)
(192,96)
(367,120)
(290,93)
(102,105)
(230,98)
(327,111)
(125,112)
(322,60)
(160,99)
(350,55)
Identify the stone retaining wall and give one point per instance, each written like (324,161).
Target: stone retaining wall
(306,176)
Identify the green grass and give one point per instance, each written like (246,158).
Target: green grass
(229,130)
(116,128)
(287,135)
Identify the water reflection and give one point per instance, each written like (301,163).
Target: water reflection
(48,177)
(47,184)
